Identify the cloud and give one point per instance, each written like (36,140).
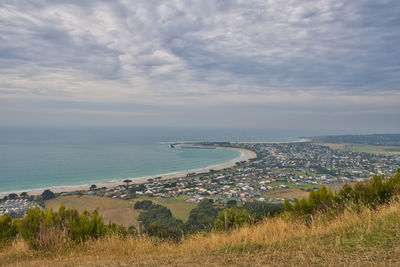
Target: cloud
(185,53)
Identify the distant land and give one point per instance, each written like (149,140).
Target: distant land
(369,139)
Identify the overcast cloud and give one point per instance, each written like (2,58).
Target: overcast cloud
(328,64)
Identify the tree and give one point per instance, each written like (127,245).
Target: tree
(8,229)
(163,232)
(231,203)
(93,187)
(139,187)
(12,196)
(259,210)
(47,195)
(143,205)
(127,181)
(232,218)
(159,214)
(202,218)
(23,194)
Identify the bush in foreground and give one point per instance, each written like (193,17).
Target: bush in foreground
(46,229)
(373,193)
(232,218)
(163,232)
(202,218)
(259,210)
(8,229)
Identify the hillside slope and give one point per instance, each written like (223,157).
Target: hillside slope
(367,238)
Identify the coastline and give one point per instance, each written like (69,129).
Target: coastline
(245,155)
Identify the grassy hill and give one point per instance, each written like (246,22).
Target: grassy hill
(365,238)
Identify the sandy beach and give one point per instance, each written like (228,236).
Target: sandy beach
(245,155)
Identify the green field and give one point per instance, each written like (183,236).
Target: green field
(384,150)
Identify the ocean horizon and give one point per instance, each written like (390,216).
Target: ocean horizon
(34,158)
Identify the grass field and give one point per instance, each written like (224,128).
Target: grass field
(384,150)
(114,210)
(120,211)
(366,238)
(296,192)
(180,209)
(286,193)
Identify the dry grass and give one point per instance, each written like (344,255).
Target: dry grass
(114,210)
(287,193)
(365,239)
(117,210)
(333,146)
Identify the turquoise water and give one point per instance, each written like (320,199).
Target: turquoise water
(32,158)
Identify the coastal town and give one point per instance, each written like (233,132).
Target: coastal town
(303,166)
(17,208)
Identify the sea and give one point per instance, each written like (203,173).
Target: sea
(50,157)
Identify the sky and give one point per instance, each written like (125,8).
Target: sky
(328,65)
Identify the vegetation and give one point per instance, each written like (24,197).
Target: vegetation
(47,195)
(370,139)
(159,214)
(356,226)
(47,229)
(359,148)
(202,218)
(12,196)
(112,210)
(127,181)
(232,218)
(260,210)
(8,229)
(163,232)
(143,205)
(180,208)
(364,238)
(375,192)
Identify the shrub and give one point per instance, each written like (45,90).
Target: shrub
(163,231)
(234,219)
(259,210)
(47,229)
(143,205)
(47,195)
(86,226)
(8,229)
(322,201)
(373,193)
(376,191)
(159,214)
(120,230)
(231,203)
(12,196)
(202,218)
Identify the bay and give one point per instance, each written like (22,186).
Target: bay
(45,157)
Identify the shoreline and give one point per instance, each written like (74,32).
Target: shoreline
(245,155)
